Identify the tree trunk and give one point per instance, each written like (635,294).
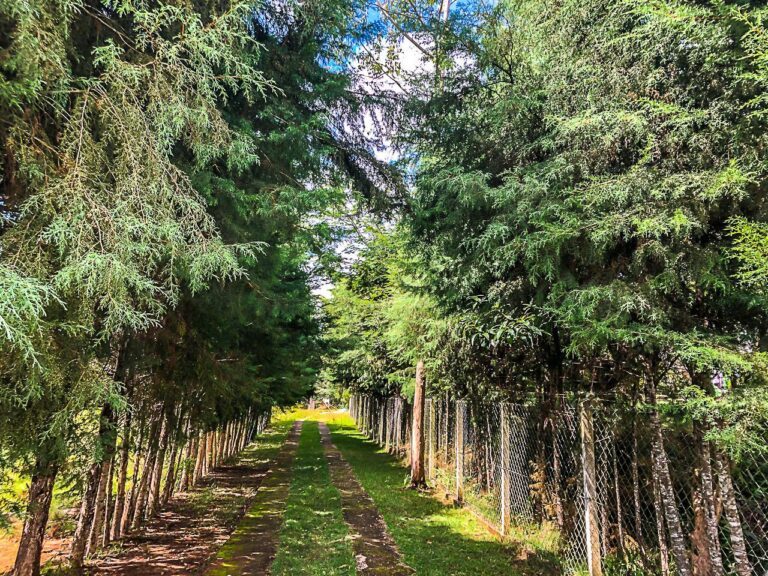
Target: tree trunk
(142,490)
(617,496)
(186,471)
(220,449)
(670,510)
(85,518)
(210,463)
(157,474)
(106,532)
(710,515)
(125,452)
(95,486)
(658,512)
(97,527)
(199,460)
(32,535)
(557,475)
(418,478)
(130,509)
(636,489)
(170,478)
(742,565)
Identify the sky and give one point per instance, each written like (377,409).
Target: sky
(410,60)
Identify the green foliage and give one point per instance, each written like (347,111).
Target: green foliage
(379,323)
(750,247)
(588,212)
(596,198)
(170,175)
(22,312)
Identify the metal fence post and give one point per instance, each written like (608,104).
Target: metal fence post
(591,525)
(459,451)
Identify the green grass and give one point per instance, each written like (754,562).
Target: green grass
(436,539)
(314,539)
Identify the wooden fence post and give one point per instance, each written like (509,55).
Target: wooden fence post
(431,433)
(591,524)
(382,420)
(459,451)
(387,427)
(417,429)
(504,443)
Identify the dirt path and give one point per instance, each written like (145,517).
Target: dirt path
(252,547)
(375,550)
(182,538)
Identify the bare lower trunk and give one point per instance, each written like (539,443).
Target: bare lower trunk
(220,448)
(710,515)
(239,433)
(660,533)
(617,496)
(122,476)
(142,489)
(636,491)
(129,512)
(106,528)
(199,460)
(85,518)
(157,475)
(186,471)
(95,488)
(32,535)
(97,527)
(130,508)
(170,476)
(557,475)
(142,497)
(669,502)
(209,460)
(742,565)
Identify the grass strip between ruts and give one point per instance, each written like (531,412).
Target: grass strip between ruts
(314,539)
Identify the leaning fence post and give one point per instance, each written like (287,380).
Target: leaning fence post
(504,443)
(591,525)
(459,451)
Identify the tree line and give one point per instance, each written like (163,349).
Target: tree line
(170,179)
(587,217)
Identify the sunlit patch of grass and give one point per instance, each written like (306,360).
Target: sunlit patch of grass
(435,538)
(314,538)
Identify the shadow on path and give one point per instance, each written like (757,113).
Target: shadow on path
(252,547)
(181,539)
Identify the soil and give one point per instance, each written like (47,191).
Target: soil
(53,548)
(183,538)
(375,550)
(253,546)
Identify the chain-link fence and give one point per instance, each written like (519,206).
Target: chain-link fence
(623,491)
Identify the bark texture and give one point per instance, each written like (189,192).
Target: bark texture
(418,477)
(32,535)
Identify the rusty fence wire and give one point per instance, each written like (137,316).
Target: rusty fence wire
(610,491)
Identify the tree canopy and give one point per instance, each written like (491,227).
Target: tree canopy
(543,201)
